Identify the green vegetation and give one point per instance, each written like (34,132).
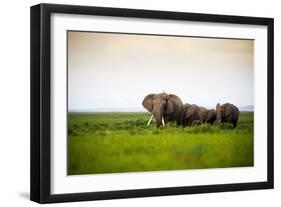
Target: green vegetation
(121,142)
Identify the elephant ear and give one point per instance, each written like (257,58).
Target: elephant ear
(170,105)
(148,102)
(229,110)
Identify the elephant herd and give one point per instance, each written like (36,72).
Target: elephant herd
(169,108)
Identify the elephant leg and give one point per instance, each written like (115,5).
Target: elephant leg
(179,122)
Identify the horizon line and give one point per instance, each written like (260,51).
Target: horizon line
(241,108)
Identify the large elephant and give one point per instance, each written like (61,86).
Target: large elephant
(164,107)
(207,115)
(227,113)
(191,114)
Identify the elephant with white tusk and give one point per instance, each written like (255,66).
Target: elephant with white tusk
(164,108)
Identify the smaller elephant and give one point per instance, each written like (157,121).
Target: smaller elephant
(227,113)
(191,114)
(207,115)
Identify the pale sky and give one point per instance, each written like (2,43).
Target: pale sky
(114,72)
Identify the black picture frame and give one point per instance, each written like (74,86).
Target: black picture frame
(41,97)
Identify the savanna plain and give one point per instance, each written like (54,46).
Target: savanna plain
(116,142)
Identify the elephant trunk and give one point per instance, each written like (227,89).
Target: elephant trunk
(218,116)
(218,113)
(158,114)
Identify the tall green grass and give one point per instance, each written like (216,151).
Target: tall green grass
(121,142)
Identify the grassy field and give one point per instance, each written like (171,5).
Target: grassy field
(121,142)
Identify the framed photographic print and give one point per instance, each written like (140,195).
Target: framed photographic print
(133,103)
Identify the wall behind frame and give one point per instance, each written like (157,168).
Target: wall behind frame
(14,105)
